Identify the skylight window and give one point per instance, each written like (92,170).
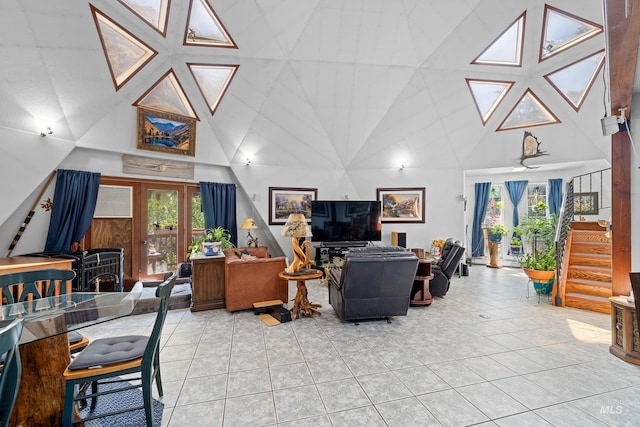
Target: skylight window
(507,48)
(204,28)
(167,95)
(562,30)
(528,112)
(125,53)
(212,80)
(153,12)
(574,81)
(487,95)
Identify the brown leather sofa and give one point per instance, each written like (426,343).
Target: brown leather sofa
(248,281)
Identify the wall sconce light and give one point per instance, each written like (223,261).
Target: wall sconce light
(47,131)
(402,167)
(247,161)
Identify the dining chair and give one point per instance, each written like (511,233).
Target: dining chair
(107,358)
(10,331)
(38,284)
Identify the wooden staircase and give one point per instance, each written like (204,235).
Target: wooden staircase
(586,277)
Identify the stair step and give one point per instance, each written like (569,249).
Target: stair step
(592,260)
(600,305)
(591,248)
(589,273)
(589,287)
(590,236)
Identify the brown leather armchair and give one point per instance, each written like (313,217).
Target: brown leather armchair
(248,281)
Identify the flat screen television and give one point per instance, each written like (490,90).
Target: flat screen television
(346,222)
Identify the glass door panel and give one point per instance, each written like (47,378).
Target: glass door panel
(162,228)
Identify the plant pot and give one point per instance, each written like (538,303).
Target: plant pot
(542,280)
(496,238)
(212,248)
(515,250)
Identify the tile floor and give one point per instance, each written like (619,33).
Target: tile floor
(482,355)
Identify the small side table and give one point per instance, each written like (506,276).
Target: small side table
(421,283)
(625,342)
(301,304)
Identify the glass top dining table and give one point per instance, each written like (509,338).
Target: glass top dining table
(44,346)
(47,317)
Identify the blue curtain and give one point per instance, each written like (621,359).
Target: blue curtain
(219,207)
(516,190)
(74,202)
(479,211)
(555,195)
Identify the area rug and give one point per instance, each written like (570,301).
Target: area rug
(113,402)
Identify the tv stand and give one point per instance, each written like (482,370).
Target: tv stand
(327,251)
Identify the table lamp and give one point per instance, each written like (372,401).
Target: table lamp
(297,228)
(250,224)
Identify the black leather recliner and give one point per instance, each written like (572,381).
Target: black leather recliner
(445,267)
(375,282)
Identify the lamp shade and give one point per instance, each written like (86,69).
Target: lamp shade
(248,223)
(296,226)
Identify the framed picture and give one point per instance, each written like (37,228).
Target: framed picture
(284,201)
(166,132)
(402,204)
(585,203)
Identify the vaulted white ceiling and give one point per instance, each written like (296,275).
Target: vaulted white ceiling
(347,85)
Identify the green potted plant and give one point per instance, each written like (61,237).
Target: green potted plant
(211,243)
(515,245)
(540,263)
(496,232)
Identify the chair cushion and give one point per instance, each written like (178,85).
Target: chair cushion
(109,351)
(74,337)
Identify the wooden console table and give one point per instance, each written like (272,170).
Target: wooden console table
(625,342)
(421,282)
(207,283)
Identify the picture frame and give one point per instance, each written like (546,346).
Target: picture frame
(284,201)
(402,205)
(585,203)
(166,132)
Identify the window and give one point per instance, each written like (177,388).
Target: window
(495,207)
(536,193)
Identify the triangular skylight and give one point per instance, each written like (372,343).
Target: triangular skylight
(487,95)
(125,53)
(212,80)
(528,112)
(167,95)
(204,28)
(574,81)
(507,48)
(153,12)
(562,30)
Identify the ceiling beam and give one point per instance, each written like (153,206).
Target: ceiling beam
(622,27)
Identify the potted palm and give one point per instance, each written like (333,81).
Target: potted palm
(540,263)
(211,243)
(515,245)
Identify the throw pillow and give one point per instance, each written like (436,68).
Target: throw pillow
(247,257)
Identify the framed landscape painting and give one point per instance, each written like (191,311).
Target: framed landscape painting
(585,203)
(284,201)
(166,132)
(402,204)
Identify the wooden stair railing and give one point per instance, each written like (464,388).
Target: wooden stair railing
(585,281)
